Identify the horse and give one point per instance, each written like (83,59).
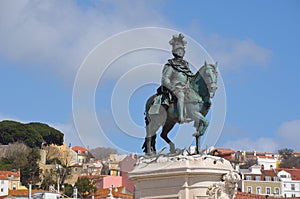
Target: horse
(203,84)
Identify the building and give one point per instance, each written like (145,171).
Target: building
(3,186)
(127,165)
(269,162)
(10,181)
(83,155)
(290,182)
(21,194)
(261,182)
(13,178)
(116,192)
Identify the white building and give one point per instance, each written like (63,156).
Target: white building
(3,187)
(290,182)
(268,162)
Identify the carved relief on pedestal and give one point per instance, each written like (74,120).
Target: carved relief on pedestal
(226,189)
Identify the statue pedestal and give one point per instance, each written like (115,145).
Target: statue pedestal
(183,177)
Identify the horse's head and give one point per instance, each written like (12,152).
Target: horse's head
(210,75)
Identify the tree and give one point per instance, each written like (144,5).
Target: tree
(18,154)
(50,135)
(102,152)
(47,182)
(6,164)
(11,132)
(31,172)
(32,134)
(288,159)
(85,186)
(68,190)
(286,153)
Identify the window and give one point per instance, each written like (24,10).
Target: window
(293,187)
(14,186)
(276,190)
(258,190)
(267,178)
(75,169)
(268,190)
(257,178)
(2,190)
(248,178)
(249,189)
(2,181)
(275,179)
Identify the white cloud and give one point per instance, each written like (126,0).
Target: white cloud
(235,53)
(289,134)
(59,34)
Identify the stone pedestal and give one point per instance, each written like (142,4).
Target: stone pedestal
(184,177)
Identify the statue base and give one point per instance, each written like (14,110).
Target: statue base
(184,177)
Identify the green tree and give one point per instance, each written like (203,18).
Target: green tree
(50,135)
(85,186)
(68,190)
(6,164)
(47,182)
(286,153)
(31,171)
(32,134)
(11,132)
(288,159)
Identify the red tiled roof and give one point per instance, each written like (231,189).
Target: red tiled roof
(6,174)
(297,153)
(79,148)
(225,151)
(227,154)
(295,173)
(103,193)
(270,173)
(265,157)
(22,192)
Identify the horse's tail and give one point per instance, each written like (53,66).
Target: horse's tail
(149,103)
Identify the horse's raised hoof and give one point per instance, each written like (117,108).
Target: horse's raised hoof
(172,147)
(197,134)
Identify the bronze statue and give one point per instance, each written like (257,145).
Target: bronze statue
(183,97)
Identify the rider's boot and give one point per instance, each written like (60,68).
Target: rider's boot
(180,106)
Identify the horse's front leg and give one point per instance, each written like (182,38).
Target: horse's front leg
(201,126)
(200,122)
(164,134)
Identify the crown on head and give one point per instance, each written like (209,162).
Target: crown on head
(177,42)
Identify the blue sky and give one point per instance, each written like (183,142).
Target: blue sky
(256,43)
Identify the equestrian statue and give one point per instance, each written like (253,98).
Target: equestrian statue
(183,97)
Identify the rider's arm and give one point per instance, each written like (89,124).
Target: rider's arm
(166,77)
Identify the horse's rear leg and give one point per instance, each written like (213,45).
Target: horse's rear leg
(164,134)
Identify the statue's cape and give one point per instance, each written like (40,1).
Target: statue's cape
(181,66)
